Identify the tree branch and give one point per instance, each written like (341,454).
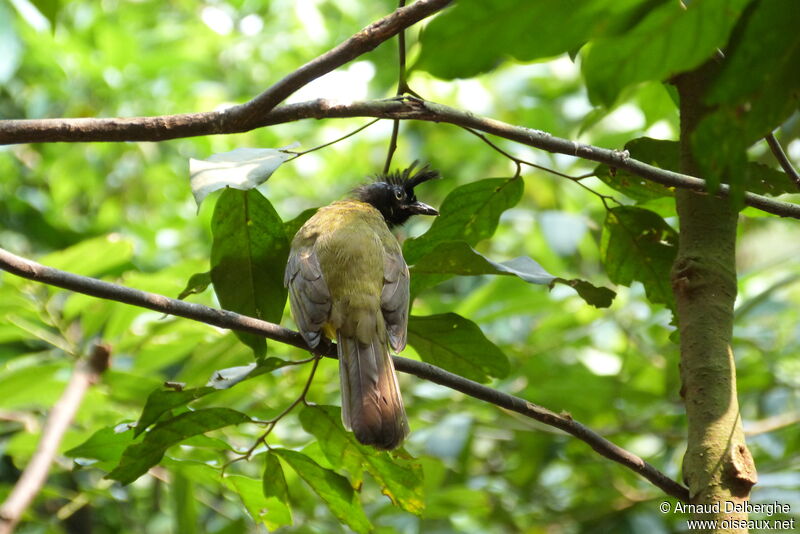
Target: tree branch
(233,321)
(152,129)
(782,158)
(27,487)
(261,111)
(235,119)
(245,115)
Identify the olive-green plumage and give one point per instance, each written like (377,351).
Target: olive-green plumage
(348,281)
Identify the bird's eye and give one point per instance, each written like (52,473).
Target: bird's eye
(398,194)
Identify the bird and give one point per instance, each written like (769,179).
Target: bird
(348,281)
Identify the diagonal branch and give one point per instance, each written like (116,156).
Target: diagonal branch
(151,129)
(235,119)
(782,158)
(33,478)
(246,115)
(234,321)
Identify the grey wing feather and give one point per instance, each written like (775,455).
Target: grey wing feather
(309,296)
(394,298)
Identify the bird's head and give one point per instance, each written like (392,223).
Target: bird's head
(393,194)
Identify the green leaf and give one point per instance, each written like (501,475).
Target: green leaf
(721,138)
(129,387)
(457,257)
(458,345)
(469,213)
(140,457)
(450,258)
(723,152)
(93,257)
(248,257)
(673,37)
(655,101)
(161,401)
(48,8)
(475,36)
(662,154)
(764,180)
(334,489)
(757,89)
(400,480)
(105,445)
(41,332)
(197,283)
(270,511)
(40,384)
(637,245)
(201,441)
(273,483)
(759,83)
(758,178)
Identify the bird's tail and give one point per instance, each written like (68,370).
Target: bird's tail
(371,404)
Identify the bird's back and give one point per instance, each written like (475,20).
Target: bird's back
(349,243)
(350,239)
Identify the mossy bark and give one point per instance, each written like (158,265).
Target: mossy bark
(717,467)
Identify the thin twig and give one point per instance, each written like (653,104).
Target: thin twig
(342,138)
(519,162)
(782,158)
(33,477)
(392,145)
(301,398)
(510,156)
(233,321)
(402,86)
(272,422)
(402,81)
(152,129)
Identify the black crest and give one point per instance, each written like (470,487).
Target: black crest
(393,194)
(408,179)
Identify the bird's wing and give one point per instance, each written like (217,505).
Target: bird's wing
(309,296)
(394,297)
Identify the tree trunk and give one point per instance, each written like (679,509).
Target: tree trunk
(718,467)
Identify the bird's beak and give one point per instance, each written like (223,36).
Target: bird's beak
(420,208)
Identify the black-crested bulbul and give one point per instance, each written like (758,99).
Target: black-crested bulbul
(348,281)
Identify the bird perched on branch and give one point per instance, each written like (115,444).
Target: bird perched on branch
(348,281)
